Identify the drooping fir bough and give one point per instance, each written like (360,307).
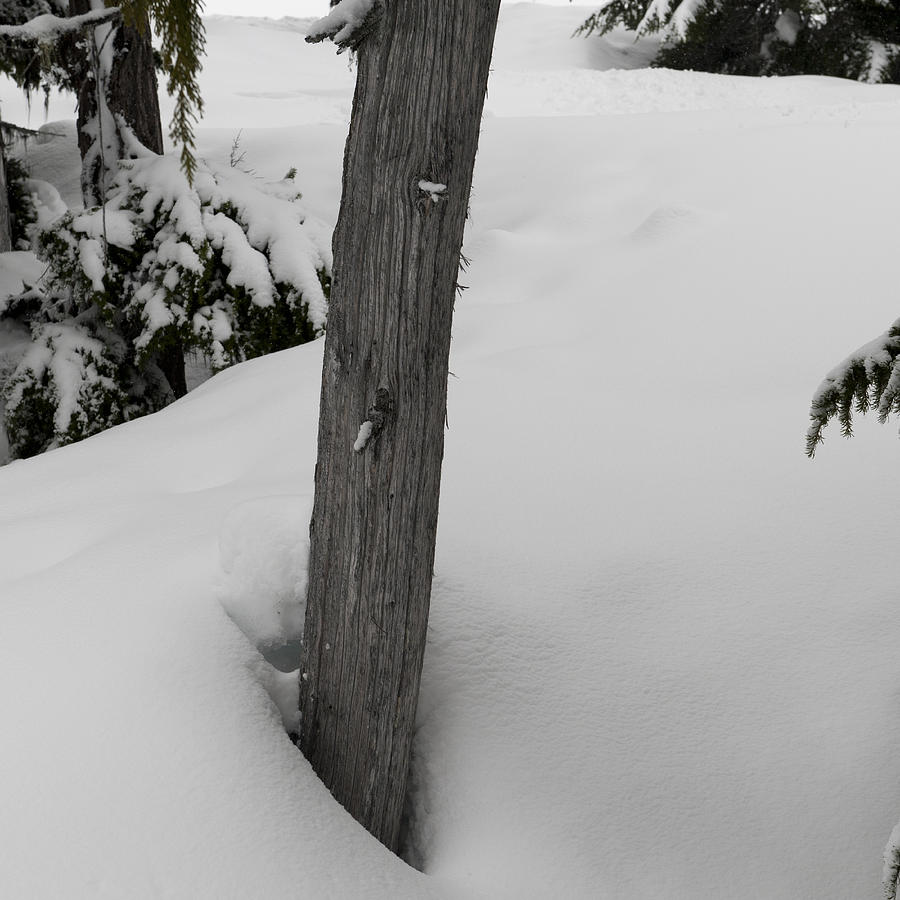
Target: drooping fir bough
(183,39)
(868,379)
(422,72)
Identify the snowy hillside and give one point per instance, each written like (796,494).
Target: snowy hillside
(662,656)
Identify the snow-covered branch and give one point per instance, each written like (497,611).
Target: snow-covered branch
(347,24)
(868,378)
(47,28)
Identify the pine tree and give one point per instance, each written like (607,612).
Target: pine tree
(766,37)
(422,73)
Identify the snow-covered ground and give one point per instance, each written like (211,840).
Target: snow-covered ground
(663,656)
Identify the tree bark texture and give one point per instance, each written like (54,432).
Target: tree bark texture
(130,92)
(5,224)
(421,81)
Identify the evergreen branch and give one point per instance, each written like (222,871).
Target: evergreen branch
(180,27)
(867,379)
(9,132)
(48,28)
(635,15)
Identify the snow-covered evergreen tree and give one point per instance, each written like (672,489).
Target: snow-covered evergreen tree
(228,266)
(167,258)
(857,39)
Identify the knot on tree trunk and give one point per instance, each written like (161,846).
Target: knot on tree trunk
(376,417)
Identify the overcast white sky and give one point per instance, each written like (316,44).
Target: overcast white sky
(273,8)
(277,8)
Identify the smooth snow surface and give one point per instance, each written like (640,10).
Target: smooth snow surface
(662,655)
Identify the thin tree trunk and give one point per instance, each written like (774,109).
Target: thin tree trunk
(5,225)
(416,114)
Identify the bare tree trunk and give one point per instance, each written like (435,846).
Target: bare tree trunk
(416,115)
(5,225)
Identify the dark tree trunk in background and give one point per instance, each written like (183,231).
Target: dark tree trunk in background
(131,93)
(171,363)
(5,225)
(133,88)
(416,115)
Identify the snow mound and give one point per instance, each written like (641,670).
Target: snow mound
(263,555)
(670,221)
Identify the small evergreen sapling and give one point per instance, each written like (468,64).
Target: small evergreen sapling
(228,266)
(67,387)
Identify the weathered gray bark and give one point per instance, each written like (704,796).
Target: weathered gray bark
(416,114)
(5,225)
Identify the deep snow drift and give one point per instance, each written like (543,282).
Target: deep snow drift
(662,656)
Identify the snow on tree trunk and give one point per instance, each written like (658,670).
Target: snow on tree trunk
(416,114)
(133,88)
(122,117)
(5,225)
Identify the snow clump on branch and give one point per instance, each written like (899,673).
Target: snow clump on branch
(347,24)
(867,379)
(47,28)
